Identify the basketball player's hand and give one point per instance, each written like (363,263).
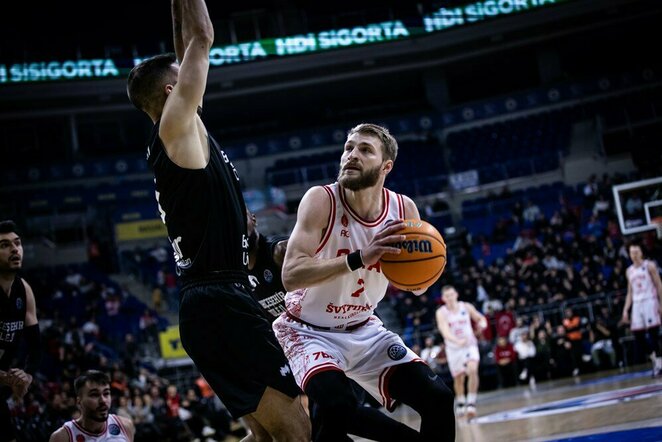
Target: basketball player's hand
(625,319)
(380,243)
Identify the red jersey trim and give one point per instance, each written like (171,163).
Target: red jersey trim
(361,220)
(401,206)
(318,369)
(119,422)
(330,222)
(83,430)
(71,435)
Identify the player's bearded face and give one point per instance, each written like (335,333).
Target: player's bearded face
(358,181)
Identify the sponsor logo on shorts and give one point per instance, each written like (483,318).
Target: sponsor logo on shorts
(396,352)
(114,429)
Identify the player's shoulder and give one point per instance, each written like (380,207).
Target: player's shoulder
(59,435)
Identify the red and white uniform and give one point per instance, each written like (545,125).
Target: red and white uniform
(459,323)
(113,432)
(331,326)
(645,301)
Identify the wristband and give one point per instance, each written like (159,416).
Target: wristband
(354,261)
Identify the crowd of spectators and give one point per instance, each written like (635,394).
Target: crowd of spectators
(573,256)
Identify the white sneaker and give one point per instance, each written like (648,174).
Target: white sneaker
(575,372)
(460,409)
(471,412)
(523,374)
(657,367)
(532,383)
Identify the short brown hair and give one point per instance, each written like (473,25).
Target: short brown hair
(146,80)
(389,144)
(93,376)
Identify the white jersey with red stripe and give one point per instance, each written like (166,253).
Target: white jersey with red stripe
(459,322)
(114,431)
(641,282)
(351,298)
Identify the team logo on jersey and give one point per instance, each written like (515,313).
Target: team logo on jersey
(19,304)
(344,221)
(80,438)
(396,352)
(114,429)
(268,276)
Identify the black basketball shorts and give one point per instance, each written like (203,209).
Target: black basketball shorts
(7,430)
(226,334)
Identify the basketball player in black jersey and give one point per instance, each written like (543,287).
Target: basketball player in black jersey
(18,320)
(265,263)
(222,328)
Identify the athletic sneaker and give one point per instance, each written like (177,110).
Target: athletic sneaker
(459,409)
(471,411)
(523,374)
(657,367)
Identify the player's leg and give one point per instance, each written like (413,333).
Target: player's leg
(280,416)
(656,355)
(223,330)
(459,382)
(416,385)
(472,388)
(335,405)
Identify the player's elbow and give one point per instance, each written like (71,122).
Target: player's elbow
(290,281)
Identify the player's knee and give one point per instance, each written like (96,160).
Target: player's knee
(295,429)
(333,396)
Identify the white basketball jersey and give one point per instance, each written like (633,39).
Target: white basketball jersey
(114,432)
(641,282)
(459,323)
(351,298)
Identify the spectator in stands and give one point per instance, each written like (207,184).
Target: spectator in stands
(530,213)
(430,352)
(543,360)
(602,331)
(526,353)
(563,357)
(506,358)
(521,327)
(18,322)
(574,331)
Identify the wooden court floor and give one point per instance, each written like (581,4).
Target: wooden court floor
(584,405)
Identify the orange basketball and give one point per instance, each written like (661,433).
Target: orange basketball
(422,260)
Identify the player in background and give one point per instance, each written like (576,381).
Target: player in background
(454,320)
(645,297)
(95,422)
(18,324)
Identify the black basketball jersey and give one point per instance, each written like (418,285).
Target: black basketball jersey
(12,322)
(265,278)
(204,212)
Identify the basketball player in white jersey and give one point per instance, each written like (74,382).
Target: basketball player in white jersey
(645,297)
(454,323)
(95,423)
(331,270)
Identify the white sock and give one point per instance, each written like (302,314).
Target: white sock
(471,398)
(461,400)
